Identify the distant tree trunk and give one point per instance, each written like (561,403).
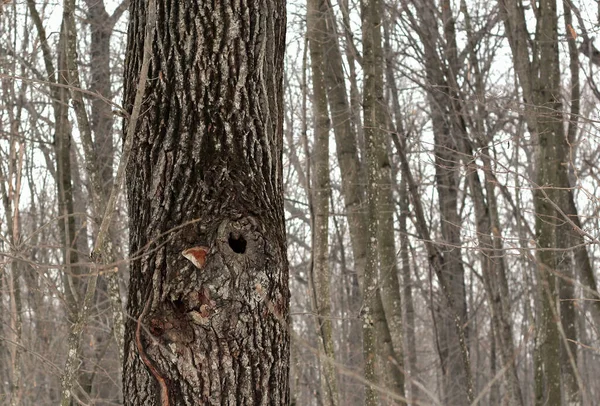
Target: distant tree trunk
(437,262)
(409,327)
(550,161)
(568,238)
(390,290)
(409,311)
(371,104)
(321,192)
(102,123)
(381,289)
(539,76)
(352,58)
(102,116)
(10,203)
(345,134)
(447,165)
(205,180)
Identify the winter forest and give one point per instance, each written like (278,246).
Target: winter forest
(324,202)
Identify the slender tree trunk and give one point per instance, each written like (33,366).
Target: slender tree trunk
(62,138)
(205,183)
(494,276)
(321,193)
(409,307)
(549,157)
(447,165)
(372,98)
(13,101)
(342,120)
(437,262)
(566,237)
(351,57)
(102,123)
(10,202)
(409,311)
(380,212)
(345,137)
(539,77)
(388,269)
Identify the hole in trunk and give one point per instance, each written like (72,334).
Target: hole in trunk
(179,306)
(237,243)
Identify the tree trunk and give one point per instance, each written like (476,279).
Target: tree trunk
(539,77)
(321,192)
(102,123)
(342,120)
(371,104)
(205,181)
(409,310)
(381,287)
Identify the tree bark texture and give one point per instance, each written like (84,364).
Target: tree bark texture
(206,174)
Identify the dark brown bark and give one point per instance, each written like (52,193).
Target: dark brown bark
(205,171)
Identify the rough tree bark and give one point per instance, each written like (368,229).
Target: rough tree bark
(205,180)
